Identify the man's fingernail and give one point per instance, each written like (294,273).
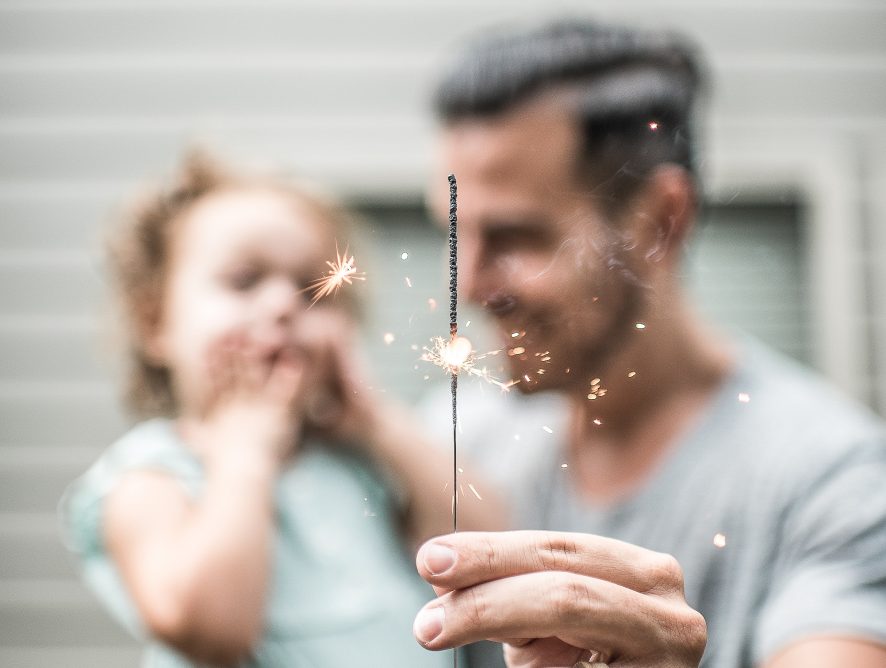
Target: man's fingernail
(439,558)
(429,624)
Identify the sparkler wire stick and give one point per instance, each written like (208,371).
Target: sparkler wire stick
(453,332)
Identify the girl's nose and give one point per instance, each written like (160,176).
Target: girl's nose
(282,300)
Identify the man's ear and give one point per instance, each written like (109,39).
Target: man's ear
(663,213)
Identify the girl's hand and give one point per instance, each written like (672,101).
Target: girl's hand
(337,404)
(252,406)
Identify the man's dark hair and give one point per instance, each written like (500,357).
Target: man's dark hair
(633,93)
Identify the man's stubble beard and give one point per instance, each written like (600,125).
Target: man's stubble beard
(587,359)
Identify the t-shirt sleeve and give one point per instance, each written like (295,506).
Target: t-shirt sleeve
(830,575)
(149,447)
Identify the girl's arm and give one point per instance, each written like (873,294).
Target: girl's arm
(197,570)
(424,471)
(347,409)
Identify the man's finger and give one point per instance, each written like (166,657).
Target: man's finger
(464,559)
(581,611)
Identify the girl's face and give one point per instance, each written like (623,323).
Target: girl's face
(240,261)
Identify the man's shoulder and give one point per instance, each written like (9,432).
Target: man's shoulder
(791,418)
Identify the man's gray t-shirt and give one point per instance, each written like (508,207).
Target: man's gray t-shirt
(774,502)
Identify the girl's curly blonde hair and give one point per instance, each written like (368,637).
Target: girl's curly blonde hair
(139,253)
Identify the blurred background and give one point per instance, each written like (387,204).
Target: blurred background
(98,96)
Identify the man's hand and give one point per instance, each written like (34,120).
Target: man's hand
(556,599)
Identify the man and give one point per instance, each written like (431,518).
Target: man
(573,148)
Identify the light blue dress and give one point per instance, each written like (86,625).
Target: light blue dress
(342,592)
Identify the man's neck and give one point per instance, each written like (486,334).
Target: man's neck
(649,393)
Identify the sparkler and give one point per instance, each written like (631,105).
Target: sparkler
(341,270)
(456,347)
(457,356)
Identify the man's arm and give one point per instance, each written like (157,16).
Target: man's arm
(829,652)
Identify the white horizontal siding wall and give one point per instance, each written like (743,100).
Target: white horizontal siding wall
(96,96)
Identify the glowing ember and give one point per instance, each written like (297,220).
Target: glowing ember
(744,397)
(640,325)
(458,356)
(653,125)
(519,350)
(389,338)
(720,540)
(631,374)
(342,270)
(598,421)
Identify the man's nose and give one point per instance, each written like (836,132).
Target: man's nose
(470,275)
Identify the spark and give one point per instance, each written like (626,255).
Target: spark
(653,125)
(432,303)
(457,356)
(517,335)
(564,466)
(548,429)
(389,338)
(408,282)
(744,397)
(474,490)
(598,421)
(404,255)
(631,374)
(720,540)
(519,350)
(342,270)
(597,390)
(640,325)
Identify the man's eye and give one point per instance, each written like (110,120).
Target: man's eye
(513,237)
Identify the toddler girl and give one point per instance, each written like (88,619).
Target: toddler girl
(244,520)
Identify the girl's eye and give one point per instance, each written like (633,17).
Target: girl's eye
(244,279)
